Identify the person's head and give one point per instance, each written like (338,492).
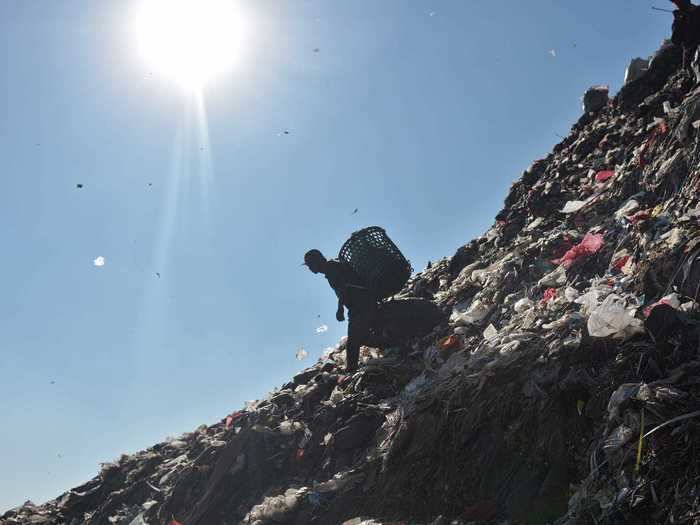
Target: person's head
(315,261)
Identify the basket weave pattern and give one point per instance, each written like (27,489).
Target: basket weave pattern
(376,260)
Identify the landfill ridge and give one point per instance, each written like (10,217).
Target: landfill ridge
(563,385)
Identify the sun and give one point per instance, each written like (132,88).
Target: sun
(189,41)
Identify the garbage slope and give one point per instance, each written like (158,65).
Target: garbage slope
(566,336)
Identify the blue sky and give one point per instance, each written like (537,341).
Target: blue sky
(418,113)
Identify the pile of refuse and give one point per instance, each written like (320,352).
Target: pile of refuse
(563,385)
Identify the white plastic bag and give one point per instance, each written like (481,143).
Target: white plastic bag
(610,318)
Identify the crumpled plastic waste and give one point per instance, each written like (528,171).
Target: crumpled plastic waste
(628,209)
(564,322)
(672,300)
(604,175)
(591,244)
(523,305)
(490,333)
(232,418)
(275,508)
(639,216)
(449,342)
(477,312)
(618,438)
(549,294)
(625,393)
(554,279)
(571,294)
(595,99)
(612,318)
(636,69)
(573,206)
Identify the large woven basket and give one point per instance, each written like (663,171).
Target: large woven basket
(377,261)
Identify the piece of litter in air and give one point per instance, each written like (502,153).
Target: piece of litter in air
(99,262)
(432,13)
(321,329)
(355,211)
(79,186)
(553,52)
(301,353)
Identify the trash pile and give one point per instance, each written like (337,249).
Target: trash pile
(562,386)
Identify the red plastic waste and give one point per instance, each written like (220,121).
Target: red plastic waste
(549,294)
(620,263)
(638,217)
(602,176)
(451,341)
(590,245)
(231,419)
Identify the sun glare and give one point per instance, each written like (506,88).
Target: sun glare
(189,41)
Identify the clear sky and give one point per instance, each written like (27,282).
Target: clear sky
(419,113)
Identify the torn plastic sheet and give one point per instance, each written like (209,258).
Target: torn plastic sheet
(604,175)
(590,245)
(611,318)
(574,206)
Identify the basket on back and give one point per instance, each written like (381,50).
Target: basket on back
(376,260)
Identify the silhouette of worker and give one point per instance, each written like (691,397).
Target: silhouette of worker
(686,27)
(352,294)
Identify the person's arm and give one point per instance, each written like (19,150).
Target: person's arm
(340,313)
(340,287)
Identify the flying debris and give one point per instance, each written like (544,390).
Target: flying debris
(355,211)
(321,329)
(553,52)
(79,186)
(301,354)
(99,262)
(432,13)
(158,275)
(316,50)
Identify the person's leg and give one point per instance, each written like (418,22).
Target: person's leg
(359,324)
(352,346)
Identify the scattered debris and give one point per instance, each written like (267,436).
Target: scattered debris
(99,261)
(561,387)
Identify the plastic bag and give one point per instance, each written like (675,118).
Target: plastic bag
(523,305)
(617,439)
(573,206)
(602,176)
(610,318)
(590,245)
(476,313)
(630,207)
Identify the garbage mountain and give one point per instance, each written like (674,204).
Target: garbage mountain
(562,386)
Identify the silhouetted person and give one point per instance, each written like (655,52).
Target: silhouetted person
(353,295)
(686,27)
